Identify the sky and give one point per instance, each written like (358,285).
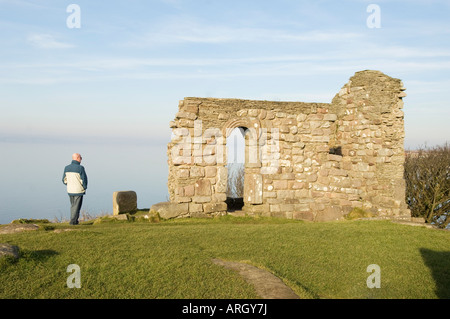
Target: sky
(107,76)
(122,72)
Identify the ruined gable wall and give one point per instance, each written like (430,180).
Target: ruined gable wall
(371,134)
(362,129)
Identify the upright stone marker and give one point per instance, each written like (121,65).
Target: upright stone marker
(124,202)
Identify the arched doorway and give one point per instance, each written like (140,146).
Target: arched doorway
(246,131)
(236,168)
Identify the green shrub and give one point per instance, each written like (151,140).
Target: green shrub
(358,213)
(30,221)
(108,219)
(146,216)
(48,227)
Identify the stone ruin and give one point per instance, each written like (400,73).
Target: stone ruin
(309,161)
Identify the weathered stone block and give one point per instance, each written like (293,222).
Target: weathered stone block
(224,116)
(253,113)
(185,123)
(302,193)
(280,184)
(298,185)
(183,199)
(286,194)
(267,194)
(197,171)
(214,207)
(221,179)
(302,207)
(219,197)
(189,190)
(330,213)
(195,208)
(330,117)
(179,191)
(316,194)
(287,175)
(189,107)
(307,215)
(202,187)
(168,210)
(362,167)
(385,152)
(183,173)
(201,199)
(124,202)
(210,171)
(253,189)
(274,208)
(287,207)
(338,172)
(186,115)
(332,157)
(242,113)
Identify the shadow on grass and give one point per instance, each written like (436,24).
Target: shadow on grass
(39,255)
(439,264)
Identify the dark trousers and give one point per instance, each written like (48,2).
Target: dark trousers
(75,206)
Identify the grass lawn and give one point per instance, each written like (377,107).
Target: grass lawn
(172,259)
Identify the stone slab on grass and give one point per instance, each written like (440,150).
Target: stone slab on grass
(168,210)
(9,250)
(17,228)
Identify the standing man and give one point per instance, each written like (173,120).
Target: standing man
(76,180)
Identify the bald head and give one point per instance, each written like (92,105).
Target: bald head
(76,157)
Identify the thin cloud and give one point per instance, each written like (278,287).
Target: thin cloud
(47,41)
(402,56)
(148,69)
(188,31)
(177,4)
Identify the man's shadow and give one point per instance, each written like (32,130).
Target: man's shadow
(439,264)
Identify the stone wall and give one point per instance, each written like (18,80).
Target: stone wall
(313,161)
